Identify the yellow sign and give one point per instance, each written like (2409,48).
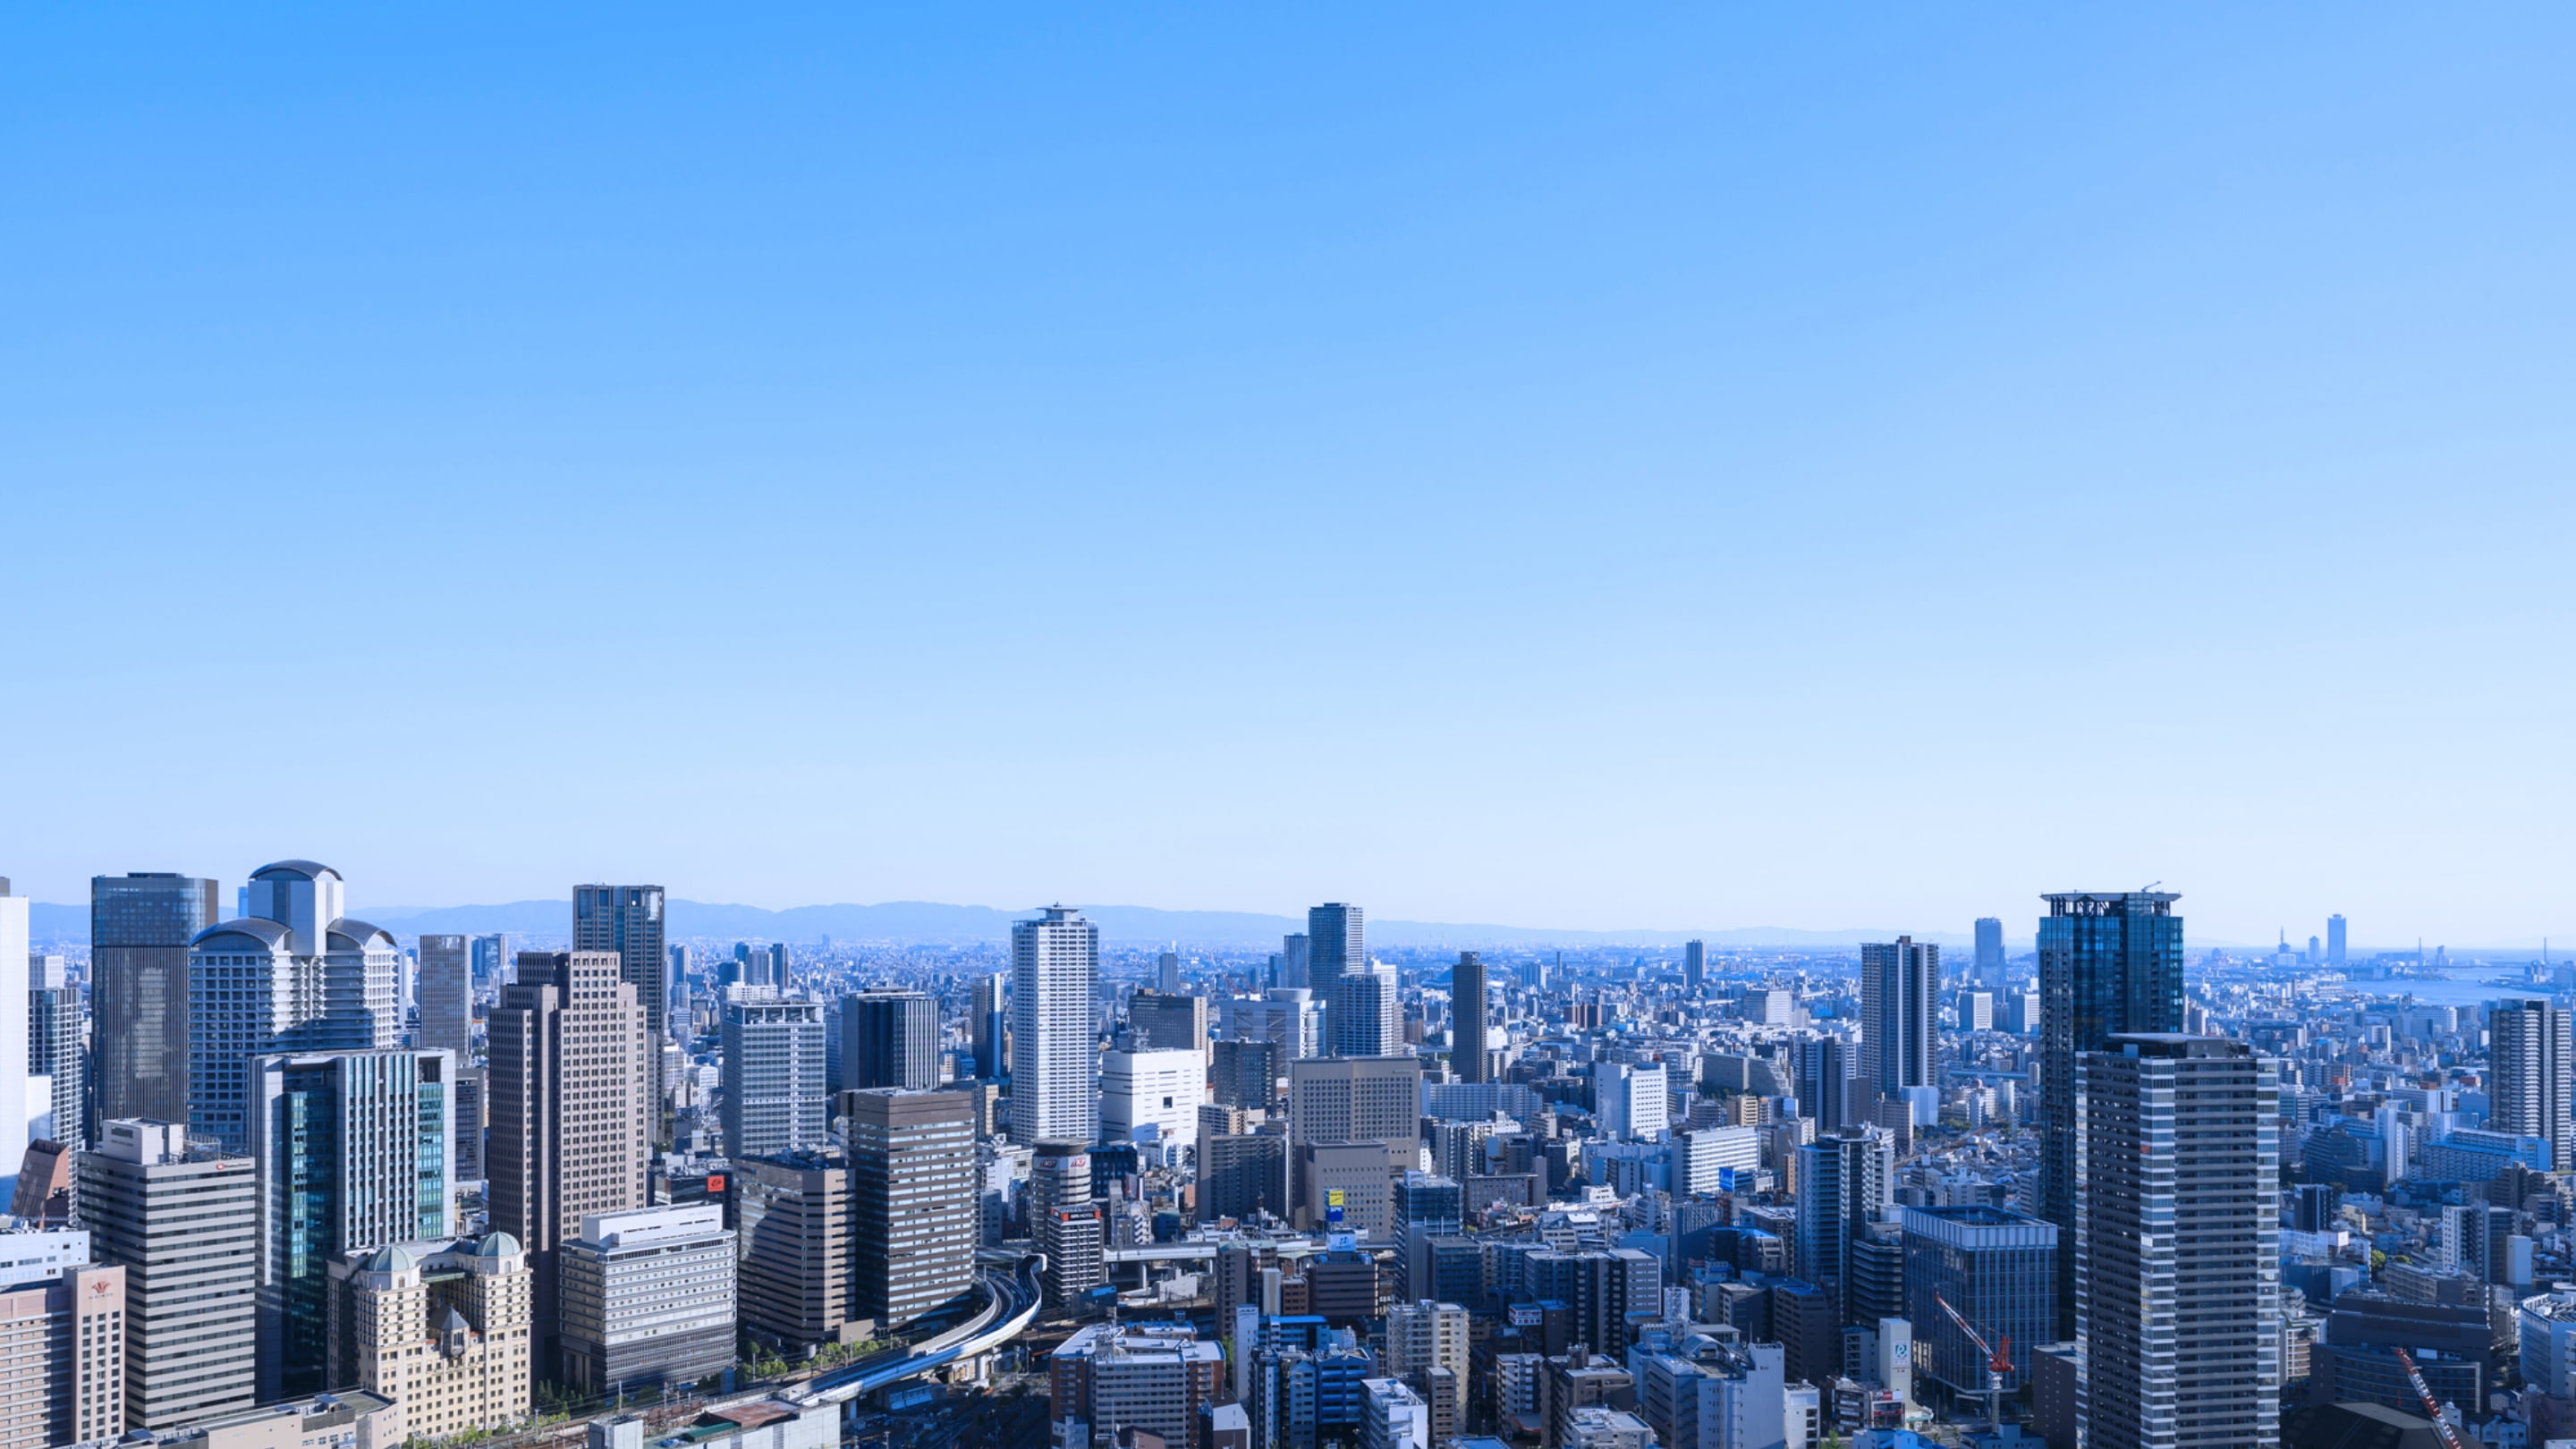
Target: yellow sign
(1332,1197)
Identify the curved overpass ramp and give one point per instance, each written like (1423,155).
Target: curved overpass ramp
(1011,1299)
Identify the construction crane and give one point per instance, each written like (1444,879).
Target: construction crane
(2424,1391)
(1998,1363)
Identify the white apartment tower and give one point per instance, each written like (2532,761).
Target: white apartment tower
(1055,963)
(2529,1059)
(2177,1268)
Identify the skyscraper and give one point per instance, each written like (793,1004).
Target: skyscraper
(1065,1220)
(2528,1058)
(296,974)
(912,1181)
(1900,1024)
(1167,973)
(2335,947)
(2109,962)
(1055,963)
(1843,1187)
(773,1073)
(1694,967)
(186,1227)
(447,997)
(1467,1015)
(54,1052)
(627,919)
(1366,1014)
(139,929)
(14,1005)
(1990,951)
(2178,1228)
(353,1151)
(889,1039)
(1335,943)
(1161,1021)
(570,1105)
(1826,1066)
(991,1025)
(491,959)
(1295,963)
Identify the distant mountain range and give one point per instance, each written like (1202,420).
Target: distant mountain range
(930,922)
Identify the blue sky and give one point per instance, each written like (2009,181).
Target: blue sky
(1663,467)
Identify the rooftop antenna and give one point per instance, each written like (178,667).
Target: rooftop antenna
(2151,885)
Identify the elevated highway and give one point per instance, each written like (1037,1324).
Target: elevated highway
(1011,1297)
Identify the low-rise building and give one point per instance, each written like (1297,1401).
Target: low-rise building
(350,1419)
(1154,1377)
(648,1298)
(445,1330)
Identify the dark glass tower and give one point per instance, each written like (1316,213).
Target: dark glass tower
(2110,963)
(139,929)
(889,1039)
(1467,1018)
(1334,945)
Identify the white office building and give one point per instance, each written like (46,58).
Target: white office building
(1152,1096)
(648,1298)
(1393,1416)
(1631,1101)
(295,973)
(1288,1015)
(1702,1159)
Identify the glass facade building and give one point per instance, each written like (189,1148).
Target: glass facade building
(353,1151)
(140,926)
(2109,962)
(1998,1269)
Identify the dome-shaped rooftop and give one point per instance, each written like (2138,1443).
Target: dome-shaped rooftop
(389,1259)
(498,1245)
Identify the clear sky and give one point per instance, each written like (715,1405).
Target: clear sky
(1648,466)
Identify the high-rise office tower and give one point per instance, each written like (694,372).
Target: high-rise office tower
(773,1073)
(2529,1061)
(1065,1220)
(353,1151)
(990,1005)
(1335,944)
(2336,949)
(296,974)
(1055,964)
(799,1234)
(491,959)
(1467,1016)
(1366,1015)
(1990,951)
(1900,1023)
(54,1052)
(1296,961)
(569,1097)
(2178,1228)
(1167,973)
(1338,1100)
(889,1039)
(1694,966)
(447,997)
(186,1227)
(139,929)
(628,920)
(2109,962)
(912,1182)
(1844,1182)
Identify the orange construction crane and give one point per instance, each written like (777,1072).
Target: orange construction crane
(1998,1362)
(2424,1391)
